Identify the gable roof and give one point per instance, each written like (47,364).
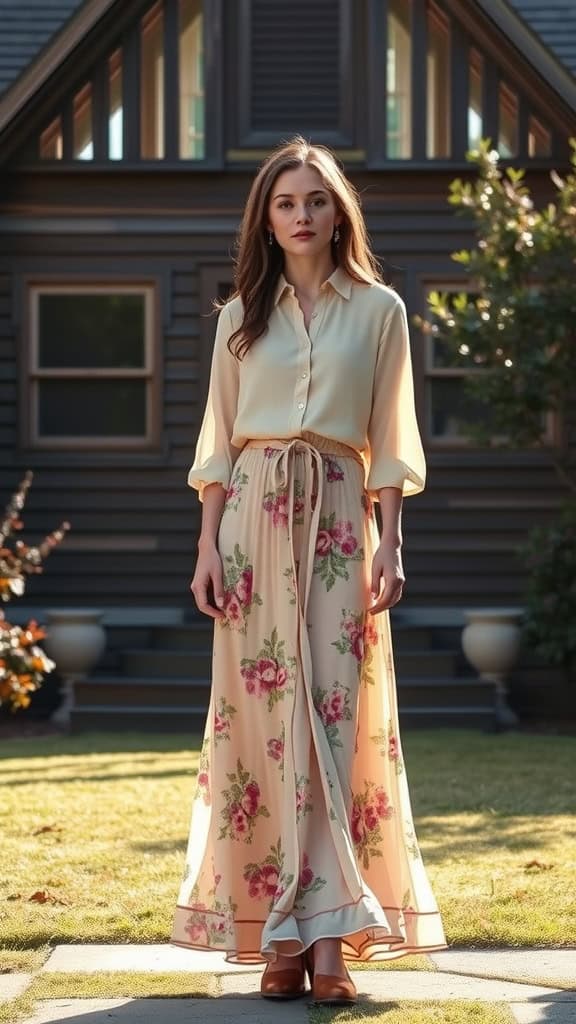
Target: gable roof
(26,28)
(38,35)
(555,23)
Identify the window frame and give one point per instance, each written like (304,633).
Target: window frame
(463,445)
(30,374)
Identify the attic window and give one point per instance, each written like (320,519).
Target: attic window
(539,139)
(145,100)
(51,141)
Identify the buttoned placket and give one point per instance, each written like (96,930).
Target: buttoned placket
(305,338)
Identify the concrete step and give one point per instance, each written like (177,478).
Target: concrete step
(199,634)
(198,661)
(150,718)
(138,691)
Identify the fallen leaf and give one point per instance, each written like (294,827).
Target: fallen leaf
(537,865)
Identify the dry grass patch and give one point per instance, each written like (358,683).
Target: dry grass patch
(454,1011)
(115,984)
(95,829)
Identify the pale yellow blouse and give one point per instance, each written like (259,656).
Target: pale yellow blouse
(349,378)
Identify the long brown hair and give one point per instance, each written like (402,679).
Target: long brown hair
(257,265)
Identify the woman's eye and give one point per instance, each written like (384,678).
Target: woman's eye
(288,203)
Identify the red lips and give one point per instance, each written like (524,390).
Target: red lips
(304,234)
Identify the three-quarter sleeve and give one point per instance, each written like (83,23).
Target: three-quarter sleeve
(215,455)
(396,453)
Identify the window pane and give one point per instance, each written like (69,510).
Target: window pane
(115,112)
(475,122)
(51,141)
(451,409)
(438,72)
(152,84)
(508,120)
(539,139)
(82,330)
(399,80)
(94,408)
(82,131)
(191,79)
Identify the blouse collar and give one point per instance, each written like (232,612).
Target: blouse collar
(339,280)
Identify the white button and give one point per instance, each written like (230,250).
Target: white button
(304,375)
(314,315)
(300,405)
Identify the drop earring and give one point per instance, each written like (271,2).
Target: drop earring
(337,235)
(270,238)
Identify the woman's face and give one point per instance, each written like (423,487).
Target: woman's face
(300,202)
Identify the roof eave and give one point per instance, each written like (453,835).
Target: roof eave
(511,24)
(49,59)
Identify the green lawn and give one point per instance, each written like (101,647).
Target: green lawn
(94,830)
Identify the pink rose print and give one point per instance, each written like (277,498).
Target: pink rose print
(223,716)
(265,880)
(335,546)
(332,707)
(303,796)
(251,799)
(242,806)
(275,749)
(209,924)
(244,586)
(234,492)
(352,632)
(270,672)
(389,746)
(239,595)
(276,503)
(333,469)
(369,809)
(323,542)
(308,882)
(238,820)
(203,780)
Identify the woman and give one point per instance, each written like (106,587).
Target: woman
(302,850)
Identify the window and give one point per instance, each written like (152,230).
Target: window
(399,80)
(539,138)
(508,121)
(152,84)
(449,407)
(167,96)
(475,119)
(51,141)
(191,79)
(82,124)
(91,365)
(115,111)
(438,93)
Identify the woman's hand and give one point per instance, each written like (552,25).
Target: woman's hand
(387,563)
(207,580)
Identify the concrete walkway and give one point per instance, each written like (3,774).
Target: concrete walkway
(527,980)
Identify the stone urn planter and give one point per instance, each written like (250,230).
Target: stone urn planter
(75,640)
(491,643)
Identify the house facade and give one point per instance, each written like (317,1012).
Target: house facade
(129,135)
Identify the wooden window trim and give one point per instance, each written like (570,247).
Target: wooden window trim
(29,372)
(465,446)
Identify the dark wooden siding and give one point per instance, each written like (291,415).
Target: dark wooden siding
(134,520)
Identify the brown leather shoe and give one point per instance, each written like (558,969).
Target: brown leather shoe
(284,984)
(330,989)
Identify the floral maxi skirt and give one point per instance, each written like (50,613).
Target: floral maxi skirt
(301,821)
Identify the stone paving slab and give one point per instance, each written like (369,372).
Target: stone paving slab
(131,957)
(544,1013)
(556,964)
(12,985)
(167,1011)
(386,985)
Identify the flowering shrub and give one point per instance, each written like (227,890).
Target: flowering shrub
(22,663)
